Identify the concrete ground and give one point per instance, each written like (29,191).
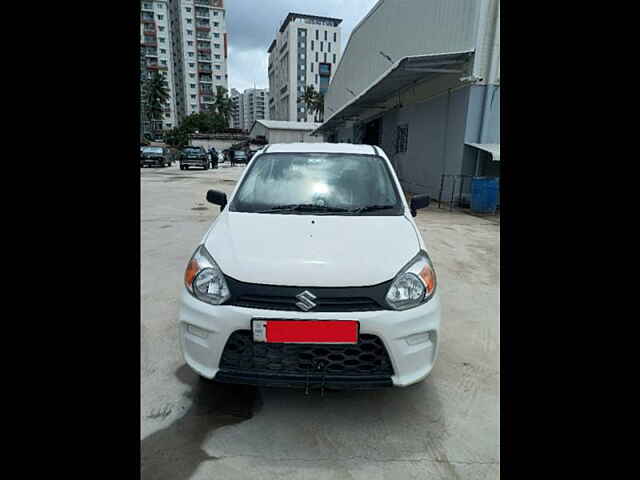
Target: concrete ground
(446,427)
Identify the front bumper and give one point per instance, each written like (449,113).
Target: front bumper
(157,162)
(412,353)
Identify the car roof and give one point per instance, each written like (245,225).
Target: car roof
(321,148)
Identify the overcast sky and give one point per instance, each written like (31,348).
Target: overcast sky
(252,25)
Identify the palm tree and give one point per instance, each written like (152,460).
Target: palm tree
(155,96)
(308,98)
(318,107)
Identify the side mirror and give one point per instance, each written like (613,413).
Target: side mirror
(418,202)
(217,198)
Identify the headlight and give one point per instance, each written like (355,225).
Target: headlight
(415,284)
(204,279)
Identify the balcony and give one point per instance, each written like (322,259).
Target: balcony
(147,19)
(202,29)
(149,43)
(204,58)
(205,79)
(203,13)
(204,50)
(151,53)
(203,36)
(206,91)
(151,33)
(204,69)
(208,99)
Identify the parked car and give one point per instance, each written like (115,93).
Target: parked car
(194,157)
(239,157)
(313,275)
(155,157)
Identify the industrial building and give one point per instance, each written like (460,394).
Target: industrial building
(274,131)
(421,79)
(305,52)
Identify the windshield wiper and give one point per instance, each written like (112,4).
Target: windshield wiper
(372,208)
(300,207)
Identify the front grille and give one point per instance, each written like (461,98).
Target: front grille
(366,358)
(328,299)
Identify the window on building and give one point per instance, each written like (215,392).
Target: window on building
(317,34)
(168,125)
(312,68)
(325,35)
(216,24)
(188,20)
(192,75)
(335,37)
(325,58)
(190,43)
(316,78)
(192,85)
(163,51)
(193,105)
(189,32)
(161,29)
(191,54)
(147,6)
(163,62)
(193,97)
(218,77)
(312,45)
(402,138)
(328,47)
(161,39)
(160,17)
(322,46)
(216,45)
(217,67)
(215,13)
(216,35)
(316,56)
(188,9)
(191,65)
(217,57)
(334,58)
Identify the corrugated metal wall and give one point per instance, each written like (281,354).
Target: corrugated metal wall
(400,28)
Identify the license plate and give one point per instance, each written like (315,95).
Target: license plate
(306,331)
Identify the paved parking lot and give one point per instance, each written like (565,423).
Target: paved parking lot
(446,427)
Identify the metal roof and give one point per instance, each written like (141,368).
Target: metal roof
(492,148)
(402,74)
(282,125)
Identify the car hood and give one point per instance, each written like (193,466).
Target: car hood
(311,250)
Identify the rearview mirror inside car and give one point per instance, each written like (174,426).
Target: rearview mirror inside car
(418,202)
(217,198)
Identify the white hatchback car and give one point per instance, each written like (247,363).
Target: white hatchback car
(313,275)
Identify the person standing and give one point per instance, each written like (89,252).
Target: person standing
(214,157)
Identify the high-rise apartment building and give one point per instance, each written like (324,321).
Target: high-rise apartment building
(187,41)
(200,46)
(155,44)
(306,51)
(248,107)
(236,108)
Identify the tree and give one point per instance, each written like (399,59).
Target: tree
(318,107)
(177,137)
(308,98)
(222,107)
(155,96)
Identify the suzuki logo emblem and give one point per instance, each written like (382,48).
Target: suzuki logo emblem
(306,302)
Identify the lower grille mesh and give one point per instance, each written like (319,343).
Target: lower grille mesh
(367,357)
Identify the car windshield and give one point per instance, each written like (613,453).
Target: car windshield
(152,150)
(240,153)
(318,183)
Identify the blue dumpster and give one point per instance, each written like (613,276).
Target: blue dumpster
(484,194)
